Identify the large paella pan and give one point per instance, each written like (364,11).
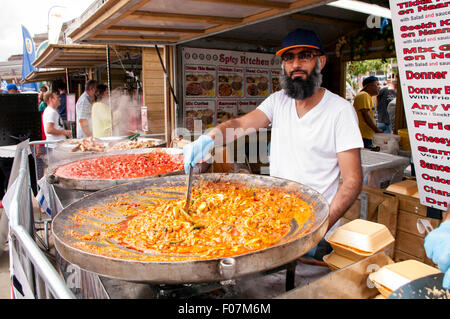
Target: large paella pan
(79,231)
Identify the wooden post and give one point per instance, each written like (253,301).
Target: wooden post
(400,117)
(169,103)
(108,76)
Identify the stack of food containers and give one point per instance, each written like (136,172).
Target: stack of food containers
(391,277)
(356,240)
(407,187)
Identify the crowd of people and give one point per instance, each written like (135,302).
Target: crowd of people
(376,117)
(93,112)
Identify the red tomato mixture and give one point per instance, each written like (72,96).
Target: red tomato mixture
(122,166)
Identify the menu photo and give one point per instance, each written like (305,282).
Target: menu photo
(246,106)
(226,110)
(257,82)
(200,115)
(231,80)
(200,80)
(275,77)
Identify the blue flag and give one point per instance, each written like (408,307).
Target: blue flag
(29,55)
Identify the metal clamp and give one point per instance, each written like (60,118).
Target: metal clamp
(423,225)
(227,267)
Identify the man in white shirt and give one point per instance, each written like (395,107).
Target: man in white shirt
(84,110)
(315,134)
(53,124)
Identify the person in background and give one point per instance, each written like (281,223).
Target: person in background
(42,103)
(437,247)
(53,125)
(385,96)
(315,138)
(392,106)
(62,109)
(101,115)
(84,110)
(365,109)
(12,88)
(41,94)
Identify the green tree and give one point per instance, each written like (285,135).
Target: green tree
(358,68)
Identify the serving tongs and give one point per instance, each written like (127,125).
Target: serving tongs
(189,189)
(185,210)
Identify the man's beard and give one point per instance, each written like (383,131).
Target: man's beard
(298,88)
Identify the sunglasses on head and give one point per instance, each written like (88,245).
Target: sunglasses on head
(302,56)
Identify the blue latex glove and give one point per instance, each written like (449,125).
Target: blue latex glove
(437,247)
(196,151)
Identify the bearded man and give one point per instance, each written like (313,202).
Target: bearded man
(315,137)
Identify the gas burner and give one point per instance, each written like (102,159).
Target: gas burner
(216,290)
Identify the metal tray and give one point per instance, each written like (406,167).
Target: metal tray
(97,184)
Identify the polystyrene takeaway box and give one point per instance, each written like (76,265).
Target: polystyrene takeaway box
(391,277)
(336,261)
(406,187)
(359,239)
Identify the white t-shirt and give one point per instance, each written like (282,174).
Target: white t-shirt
(83,112)
(52,116)
(304,149)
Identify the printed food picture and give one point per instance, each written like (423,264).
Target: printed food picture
(257,85)
(226,111)
(276,84)
(206,116)
(200,85)
(230,85)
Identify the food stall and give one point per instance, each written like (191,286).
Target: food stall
(215,67)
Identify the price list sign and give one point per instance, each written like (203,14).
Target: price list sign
(422,41)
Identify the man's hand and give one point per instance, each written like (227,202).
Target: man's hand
(85,127)
(68,133)
(369,121)
(196,151)
(437,247)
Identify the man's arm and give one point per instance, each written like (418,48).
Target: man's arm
(253,120)
(50,128)
(85,127)
(369,121)
(351,172)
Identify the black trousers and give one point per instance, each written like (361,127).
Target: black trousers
(5,172)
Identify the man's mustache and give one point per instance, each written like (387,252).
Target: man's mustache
(298,70)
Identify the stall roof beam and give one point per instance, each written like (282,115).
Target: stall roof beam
(115,9)
(187,20)
(324,20)
(263,16)
(175,17)
(131,38)
(252,3)
(155,29)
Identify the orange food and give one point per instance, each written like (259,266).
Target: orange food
(224,219)
(122,166)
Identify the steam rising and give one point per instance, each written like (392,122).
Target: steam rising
(125,112)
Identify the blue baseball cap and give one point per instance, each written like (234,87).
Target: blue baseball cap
(369,80)
(300,38)
(11,86)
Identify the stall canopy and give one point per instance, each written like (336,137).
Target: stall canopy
(79,56)
(46,75)
(181,21)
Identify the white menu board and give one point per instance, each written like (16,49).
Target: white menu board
(422,41)
(231,82)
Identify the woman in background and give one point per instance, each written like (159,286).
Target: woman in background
(101,114)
